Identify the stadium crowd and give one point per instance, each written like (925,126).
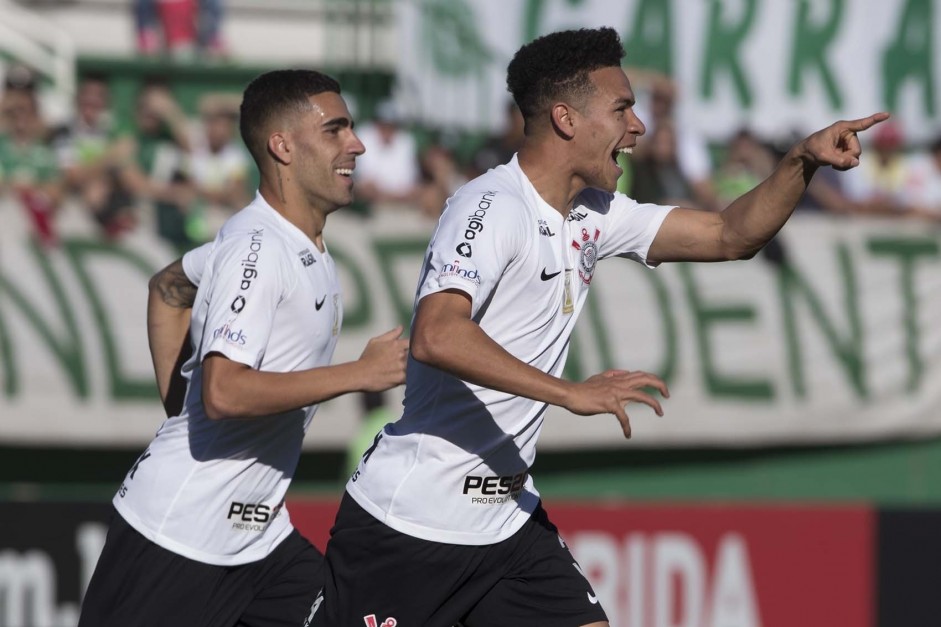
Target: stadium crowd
(183,175)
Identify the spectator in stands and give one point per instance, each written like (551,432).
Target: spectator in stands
(924,190)
(747,162)
(657,176)
(441,177)
(500,148)
(387,174)
(218,166)
(181,28)
(166,26)
(152,157)
(209,31)
(85,153)
(657,96)
(27,163)
(880,185)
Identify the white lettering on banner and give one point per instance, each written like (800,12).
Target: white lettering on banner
(89,542)
(28,594)
(665,580)
(28,587)
(773,67)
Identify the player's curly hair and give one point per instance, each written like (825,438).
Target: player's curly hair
(274,94)
(557,65)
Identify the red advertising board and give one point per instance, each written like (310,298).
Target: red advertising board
(709,565)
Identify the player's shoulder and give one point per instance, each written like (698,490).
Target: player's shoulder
(254,231)
(497,195)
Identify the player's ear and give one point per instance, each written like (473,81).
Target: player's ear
(563,119)
(279,146)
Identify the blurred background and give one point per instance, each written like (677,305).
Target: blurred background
(796,476)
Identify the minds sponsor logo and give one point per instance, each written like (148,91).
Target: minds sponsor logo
(455,270)
(230,335)
(250,262)
(494,490)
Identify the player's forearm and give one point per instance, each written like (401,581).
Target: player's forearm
(755,217)
(167,328)
(239,392)
(461,348)
(170,300)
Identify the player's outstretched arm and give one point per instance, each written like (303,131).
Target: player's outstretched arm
(444,336)
(169,304)
(233,390)
(743,228)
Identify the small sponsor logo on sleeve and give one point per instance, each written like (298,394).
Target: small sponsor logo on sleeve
(230,335)
(454,269)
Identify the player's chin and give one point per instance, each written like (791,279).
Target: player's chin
(344,200)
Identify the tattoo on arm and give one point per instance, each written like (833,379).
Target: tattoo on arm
(174,287)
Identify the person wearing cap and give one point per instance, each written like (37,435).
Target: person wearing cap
(879,185)
(388,174)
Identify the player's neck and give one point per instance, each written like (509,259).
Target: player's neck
(298,211)
(550,174)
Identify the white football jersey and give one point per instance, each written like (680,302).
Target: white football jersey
(455,467)
(213,491)
(194,262)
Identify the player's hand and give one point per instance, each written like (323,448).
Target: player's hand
(610,391)
(384,360)
(837,145)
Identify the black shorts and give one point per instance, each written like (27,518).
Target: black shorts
(376,574)
(139,584)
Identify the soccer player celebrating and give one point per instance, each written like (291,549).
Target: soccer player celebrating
(441,522)
(201,535)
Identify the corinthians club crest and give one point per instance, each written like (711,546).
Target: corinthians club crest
(589,254)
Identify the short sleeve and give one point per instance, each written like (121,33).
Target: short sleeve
(630,227)
(248,281)
(194,261)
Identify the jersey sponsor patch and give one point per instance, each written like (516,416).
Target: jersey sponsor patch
(494,490)
(454,270)
(307,257)
(250,262)
(544,229)
(251,516)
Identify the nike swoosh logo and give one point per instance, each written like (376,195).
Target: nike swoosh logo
(319,304)
(592,599)
(545,277)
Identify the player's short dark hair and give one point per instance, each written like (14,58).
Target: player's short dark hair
(274,94)
(556,66)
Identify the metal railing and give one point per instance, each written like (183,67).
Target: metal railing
(40,44)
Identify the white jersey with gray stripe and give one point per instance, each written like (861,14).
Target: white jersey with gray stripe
(213,490)
(455,467)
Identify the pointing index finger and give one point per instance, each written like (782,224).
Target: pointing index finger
(863,124)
